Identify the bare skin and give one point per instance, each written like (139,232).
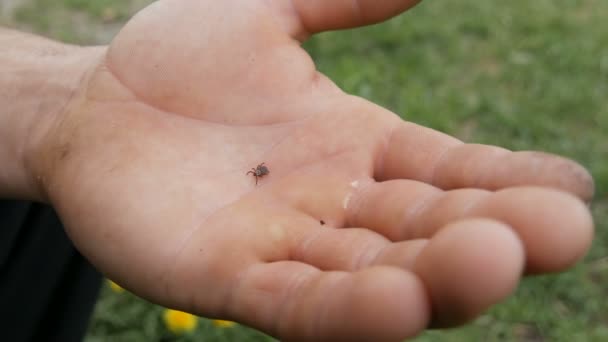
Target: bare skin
(146,166)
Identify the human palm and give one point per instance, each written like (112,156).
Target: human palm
(366,227)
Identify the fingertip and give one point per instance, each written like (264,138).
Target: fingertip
(584,184)
(469,266)
(392,301)
(558,172)
(570,237)
(555,226)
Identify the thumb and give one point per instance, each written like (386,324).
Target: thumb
(323,15)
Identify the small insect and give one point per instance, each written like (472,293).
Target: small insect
(259,172)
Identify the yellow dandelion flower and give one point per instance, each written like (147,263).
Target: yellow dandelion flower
(222,324)
(115,287)
(180,322)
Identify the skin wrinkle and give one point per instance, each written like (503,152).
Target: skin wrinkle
(68,133)
(473,204)
(496,158)
(139,99)
(415,212)
(408,215)
(301,248)
(294,284)
(135,97)
(171,268)
(296,289)
(230,302)
(436,166)
(82,84)
(292,13)
(384,150)
(303,27)
(284,138)
(317,324)
(379,253)
(366,258)
(171,264)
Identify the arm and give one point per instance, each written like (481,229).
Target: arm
(38,77)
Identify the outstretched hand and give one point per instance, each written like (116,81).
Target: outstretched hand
(366,226)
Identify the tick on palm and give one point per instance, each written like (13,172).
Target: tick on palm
(259,172)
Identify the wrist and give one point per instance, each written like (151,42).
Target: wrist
(39,79)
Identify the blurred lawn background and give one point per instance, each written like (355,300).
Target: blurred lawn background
(526,75)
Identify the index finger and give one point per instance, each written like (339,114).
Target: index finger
(419,153)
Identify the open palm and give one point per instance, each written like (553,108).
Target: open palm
(366,227)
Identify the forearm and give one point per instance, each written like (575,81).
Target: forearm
(38,78)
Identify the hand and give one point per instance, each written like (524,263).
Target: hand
(366,227)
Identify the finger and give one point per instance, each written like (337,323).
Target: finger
(320,15)
(469,266)
(546,220)
(353,249)
(348,249)
(419,153)
(470,249)
(297,302)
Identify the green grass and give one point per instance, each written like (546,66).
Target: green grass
(527,75)
(123,317)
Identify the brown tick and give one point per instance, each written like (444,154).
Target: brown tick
(259,172)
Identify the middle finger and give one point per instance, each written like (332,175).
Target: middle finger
(555,227)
